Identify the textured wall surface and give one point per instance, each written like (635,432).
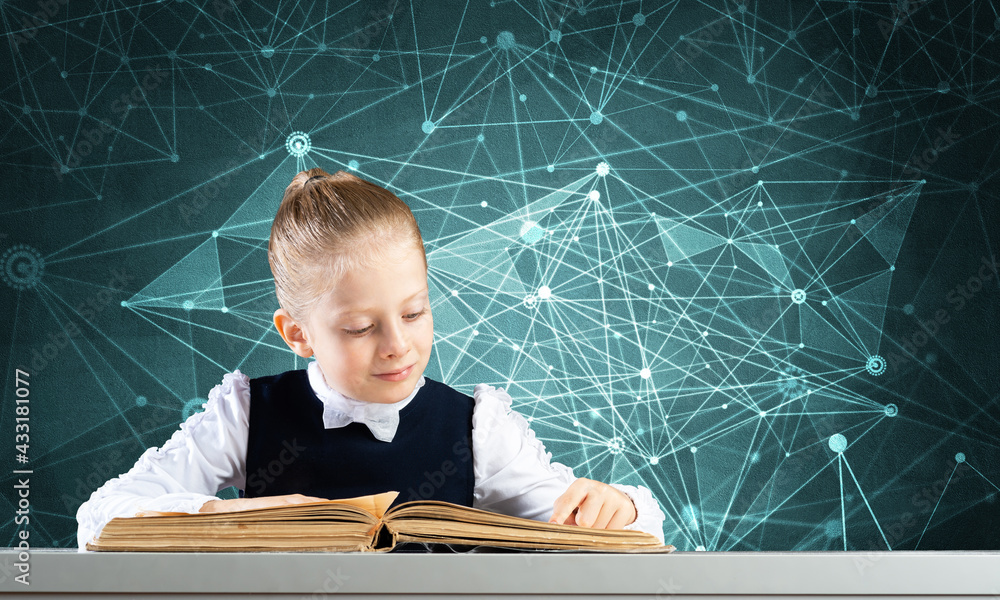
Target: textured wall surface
(742,254)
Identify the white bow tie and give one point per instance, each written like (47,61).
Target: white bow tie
(381,419)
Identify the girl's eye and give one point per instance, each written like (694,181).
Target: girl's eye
(409,317)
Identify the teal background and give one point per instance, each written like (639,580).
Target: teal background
(740,254)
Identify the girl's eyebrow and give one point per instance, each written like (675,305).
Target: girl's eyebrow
(351,311)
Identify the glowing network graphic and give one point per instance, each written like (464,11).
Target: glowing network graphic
(698,243)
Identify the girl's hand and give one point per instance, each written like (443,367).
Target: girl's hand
(221,506)
(593,504)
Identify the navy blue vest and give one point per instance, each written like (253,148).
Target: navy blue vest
(290,452)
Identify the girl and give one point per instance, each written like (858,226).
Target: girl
(350,275)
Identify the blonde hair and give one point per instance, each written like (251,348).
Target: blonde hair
(328,224)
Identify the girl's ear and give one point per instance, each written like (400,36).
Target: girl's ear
(292,332)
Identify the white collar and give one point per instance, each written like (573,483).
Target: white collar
(339,410)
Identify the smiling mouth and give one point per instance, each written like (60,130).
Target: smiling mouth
(396,375)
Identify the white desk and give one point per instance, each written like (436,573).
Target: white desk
(678,576)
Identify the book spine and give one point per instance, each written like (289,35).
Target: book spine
(384,538)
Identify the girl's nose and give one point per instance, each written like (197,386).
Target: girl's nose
(394,341)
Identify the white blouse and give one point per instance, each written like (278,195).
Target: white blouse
(513,473)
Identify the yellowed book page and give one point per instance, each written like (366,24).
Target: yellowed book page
(563,535)
(430,516)
(375,504)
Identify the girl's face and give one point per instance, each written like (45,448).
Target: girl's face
(372,333)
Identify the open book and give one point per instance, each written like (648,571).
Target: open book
(361,524)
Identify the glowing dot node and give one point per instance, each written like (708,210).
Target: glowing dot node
(875,365)
(960,457)
(298,144)
(798,296)
(891,410)
(506,41)
(645,373)
(21,267)
(594,195)
(596,118)
(838,443)
(603,169)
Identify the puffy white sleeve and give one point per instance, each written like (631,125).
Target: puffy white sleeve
(206,454)
(515,475)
